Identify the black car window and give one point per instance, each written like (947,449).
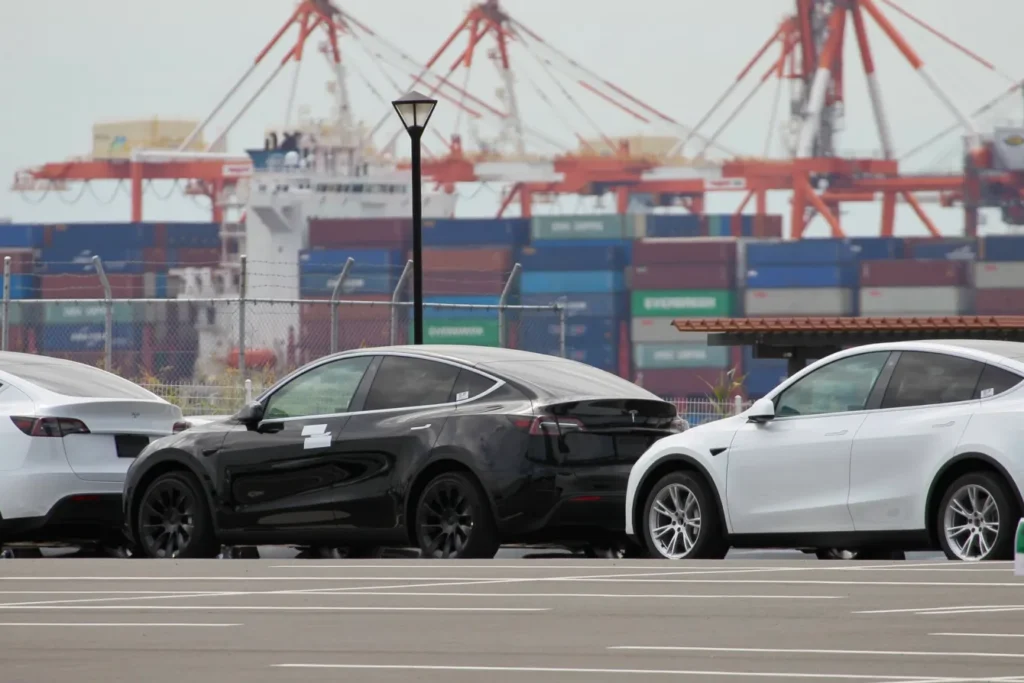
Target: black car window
(839,387)
(922,379)
(403,382)
(324,390)
(995,381)
(469,385)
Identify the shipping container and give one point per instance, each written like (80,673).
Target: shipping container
(674,225)
(955,249)
(658,356)
(487,259)
(22,262)
(194,257)
(380,310)
(93,313)
(21,236)
(66,261)
(699,303)
(597,226)
(573,282)
(677,251)
(193,235)
(154,259)
(921,301)
(581,256)
(75,237)
(601,355)
(88,286)
(1002,248)
(340,233)
(661,330)
(88,337)
(806,252)
(470,331)
(877,248)
(999,275)
(439,310)
(827,301)
(331,261)
(468,232)
(914,273)
(681,383)
(761,376)
(24,286)
(718,225)
(440,282)
(314,338)
(614,305)
(542,330)
(766,227)
(155,286)
(801,276)
(322,284)
(999,301)
(683,276)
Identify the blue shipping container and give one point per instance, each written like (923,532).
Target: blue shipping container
(673,225)
(582,282)
(116,259)
(126,337)
(84,236)
(332,260)
(193,235)
(541,330)
(809,251)
(476,232)
(1001,248)
(626,245)
(602,356)
(877,248)
(957,249)
(21,236)
(24,286)
(544,257)
(366,282)
(587,305)
(440,312)
(775,277)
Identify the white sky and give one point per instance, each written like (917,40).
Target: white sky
(68,64)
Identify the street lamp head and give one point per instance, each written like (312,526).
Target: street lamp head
(414,109)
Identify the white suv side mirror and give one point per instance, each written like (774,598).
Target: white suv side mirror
(762,411)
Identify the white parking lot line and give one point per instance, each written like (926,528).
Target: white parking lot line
(630,596)
(115,624)
(821,582)
(632,672)
(274,608)
(802,651)
(981,635)
(939,610)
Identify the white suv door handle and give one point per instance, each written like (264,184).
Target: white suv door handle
(835,433)
(413,429)
(946,424)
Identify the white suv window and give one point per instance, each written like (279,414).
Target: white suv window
(839,387)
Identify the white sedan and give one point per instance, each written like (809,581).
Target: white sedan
(68,433)
(895,446)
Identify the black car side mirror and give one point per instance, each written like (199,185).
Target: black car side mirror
(250,414)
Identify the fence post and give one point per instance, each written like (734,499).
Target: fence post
(241,316)
(394,301)
(108,329)
(334,302)
(248,391)
(4,328)
(562,325)
(503,302)
(738,403)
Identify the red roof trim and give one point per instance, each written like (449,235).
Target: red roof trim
(755,325)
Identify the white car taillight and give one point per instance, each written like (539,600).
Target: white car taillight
(57,427)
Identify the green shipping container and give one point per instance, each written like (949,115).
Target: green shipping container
(596,227)
(459,331)
(683,303)
(16,312)
(664,356)
(71,312)
(719,225)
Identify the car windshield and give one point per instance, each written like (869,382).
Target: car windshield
(73,379)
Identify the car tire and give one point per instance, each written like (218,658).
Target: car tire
(177,501)
(349,552)
(862,554)
(706,538)
(968,537)
(453,519)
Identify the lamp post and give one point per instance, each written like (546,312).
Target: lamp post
(415,109)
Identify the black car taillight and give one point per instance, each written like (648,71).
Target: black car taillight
(180,426)
(550,425)
(56,427)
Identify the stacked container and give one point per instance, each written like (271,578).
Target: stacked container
(923,284)
(999,277)
(808,277)
(680,278)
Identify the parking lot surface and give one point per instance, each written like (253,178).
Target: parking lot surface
(285,621)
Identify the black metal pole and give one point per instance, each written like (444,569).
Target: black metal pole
(417,240)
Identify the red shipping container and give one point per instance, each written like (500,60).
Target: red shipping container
(17,339)
(347,311)
(331,233)
(680,382)
(670,250)
(89,286)
(467,260)
(22,260)
(470,283)
(196,257)
(315,336)
(683,276)
(999,301)
(767,226)
(154,259)
(913,273)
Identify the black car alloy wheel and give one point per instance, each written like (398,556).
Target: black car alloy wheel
(453,519)
(174,520)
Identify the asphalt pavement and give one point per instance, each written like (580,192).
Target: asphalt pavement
(291,621)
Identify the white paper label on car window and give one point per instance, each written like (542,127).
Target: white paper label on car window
(462,396)
(985,393)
